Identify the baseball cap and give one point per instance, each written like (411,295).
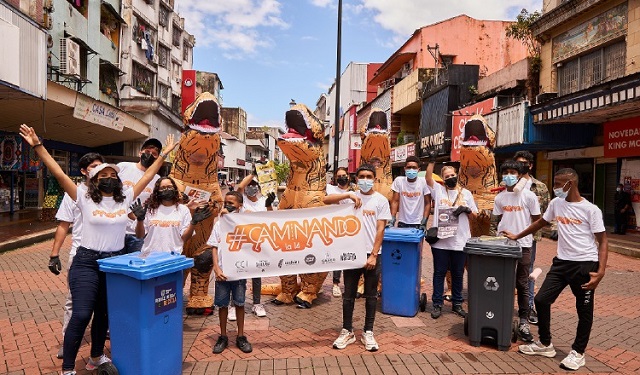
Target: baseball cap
(100,167)
(153,142)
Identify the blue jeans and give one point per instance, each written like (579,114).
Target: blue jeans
(226,289)
(89,297)
(444,260)
(132,243)
(532,283)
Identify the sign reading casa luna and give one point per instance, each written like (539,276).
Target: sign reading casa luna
(98,113)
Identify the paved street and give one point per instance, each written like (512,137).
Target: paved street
(293,341)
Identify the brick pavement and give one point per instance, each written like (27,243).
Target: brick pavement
(297,341)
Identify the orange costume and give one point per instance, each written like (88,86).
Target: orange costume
(376,150)
(195,165)
(306,187)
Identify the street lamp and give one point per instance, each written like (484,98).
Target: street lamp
(336,133)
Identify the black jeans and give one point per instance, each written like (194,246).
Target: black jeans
(89,297)
(522,282)
(405,225)
(336,276)
(351,278)
(256,286)
(561,274)
(621,222)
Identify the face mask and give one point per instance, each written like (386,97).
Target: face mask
(107,184)
(526,168)
(230,208)
(146,159)
(251,191)
(411,174)
(510,179)
(451,182)
(167,194)
(365,185)
(342,180)
(560,193)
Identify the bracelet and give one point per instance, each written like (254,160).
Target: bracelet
(163,155)
(34,146)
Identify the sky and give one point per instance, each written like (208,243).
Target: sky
(267,52)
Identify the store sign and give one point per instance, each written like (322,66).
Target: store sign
(98,113)
(356,142)
(401,153)
(460,118)
(622,138)
(434,141)
(240,162)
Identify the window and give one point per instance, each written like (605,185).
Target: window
(81,6)
(163,57)
(163,93)
(142,79)
(143,34)
(163,17)
(176,36)
(175,104)
(601,65)
(186,51)
(110,25)
(108,80)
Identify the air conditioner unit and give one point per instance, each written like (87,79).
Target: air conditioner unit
(69,57)
(545,97)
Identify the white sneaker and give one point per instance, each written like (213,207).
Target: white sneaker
(536,348)
(346,337)
(91,365)
(336,291)
(232,314)
(259,310)
(573,361)
(69,372)
(369,341)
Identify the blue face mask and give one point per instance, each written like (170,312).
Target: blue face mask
(411,173)
(560,193)
(510,179)
(365,185)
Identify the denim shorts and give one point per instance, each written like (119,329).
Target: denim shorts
(224,290)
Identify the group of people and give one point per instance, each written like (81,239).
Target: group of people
(128,207)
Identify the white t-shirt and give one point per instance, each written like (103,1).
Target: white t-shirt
(257,206)
(444,197)
(70,213)
(104,223)
(130,174)
(577,223)
(411,209)
(516,210)
(334,190)
(374,207)
(214,240)
(165,228)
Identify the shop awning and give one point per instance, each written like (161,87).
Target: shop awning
(113,66)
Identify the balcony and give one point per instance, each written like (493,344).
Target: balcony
(406,93)
(560,15)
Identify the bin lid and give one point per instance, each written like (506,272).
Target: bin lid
(154,265)
(403,234)
(493,246)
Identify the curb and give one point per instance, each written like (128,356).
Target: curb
(624,250)
(28,240)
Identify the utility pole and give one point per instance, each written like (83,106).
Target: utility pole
(435,55)
(336,117)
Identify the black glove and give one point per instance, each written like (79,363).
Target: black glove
(391,223)
(138,210)
(200,214)
(461,209)
(423,224)
(54,265)
(270,198)
(554,235)
(431,156)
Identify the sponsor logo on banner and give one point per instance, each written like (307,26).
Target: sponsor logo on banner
(296,241)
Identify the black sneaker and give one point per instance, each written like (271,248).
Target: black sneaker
(221,344)
(532,317)
(243,344)
(436,312)
(525,332)
(459,310)
(277,302)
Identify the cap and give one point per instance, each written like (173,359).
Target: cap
(100,167)
(152,142)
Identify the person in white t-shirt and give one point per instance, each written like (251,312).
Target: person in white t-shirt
(376,213)
(130,174)
(514,212)
(411,201)
(580,263)
(253,201)
(166,222)
(104,209)
(68,213)
(447,251)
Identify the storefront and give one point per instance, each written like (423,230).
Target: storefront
(399,156)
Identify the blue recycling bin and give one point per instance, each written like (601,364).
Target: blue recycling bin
(144,299)
(401,269)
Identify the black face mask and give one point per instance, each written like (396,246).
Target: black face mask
(167,194)
(451,182)
(230,208)
(108,184)
(146,159)
(342,181)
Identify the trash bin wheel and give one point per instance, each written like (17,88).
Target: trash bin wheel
(466,325)
(423,302)
(107,369)
(514,331)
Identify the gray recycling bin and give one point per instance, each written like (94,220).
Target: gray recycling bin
(491,276)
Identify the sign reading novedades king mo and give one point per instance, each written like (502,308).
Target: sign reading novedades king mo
(275,243)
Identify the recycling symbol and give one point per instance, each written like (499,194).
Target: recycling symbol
(490,314)
(395,254)
(491,284)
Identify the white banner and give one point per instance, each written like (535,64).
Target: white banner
(288,242)
(98,113)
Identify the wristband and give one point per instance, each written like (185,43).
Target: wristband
(163,155)
(39,144)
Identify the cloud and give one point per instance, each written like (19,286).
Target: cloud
(234,26)
(323,3)
(405,16)
(308,37)
(255,122)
